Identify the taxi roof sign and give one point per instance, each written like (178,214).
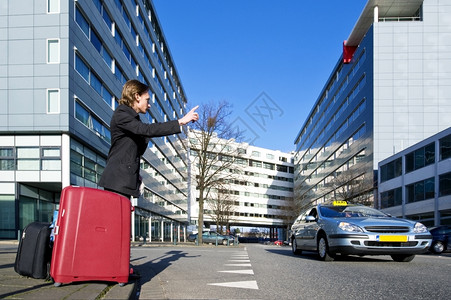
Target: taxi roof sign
(340,203)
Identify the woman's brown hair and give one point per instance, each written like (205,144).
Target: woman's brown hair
(129,90)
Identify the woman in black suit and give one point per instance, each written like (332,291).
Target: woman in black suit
(130,136)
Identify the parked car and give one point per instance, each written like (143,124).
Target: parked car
(212,237)
(342,228)
(441,239)
(278,243)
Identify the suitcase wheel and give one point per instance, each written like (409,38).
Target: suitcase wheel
(57,284)
(121,284)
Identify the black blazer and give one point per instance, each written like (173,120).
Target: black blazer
(129,139)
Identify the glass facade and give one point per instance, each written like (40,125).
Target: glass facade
(334,146)
(35,205)
(7,216)
(394,73)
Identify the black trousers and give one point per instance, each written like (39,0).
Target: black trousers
(125,195)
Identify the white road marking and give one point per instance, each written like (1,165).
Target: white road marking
(240,260)
(249,272)
(238,265)
(238,284)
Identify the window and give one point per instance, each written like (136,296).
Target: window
(96,84)
(281,168)
(53,51)
(268,166)
(97,43)
(53,6)
(81,114)
(107,19)
(85,163)
(445,184)
(420,190)
(51,159)
(429,154)
(391,198)
(255,154)
(28,158)
(107,96)
(445,147)
(120,75)
(391,170)
(81,67)
(95,40)
(53,101)
(420,158)
(82,22)
(6,158)
(254,163)
(90,121)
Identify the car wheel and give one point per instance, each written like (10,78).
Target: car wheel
(323,249)
(294,247)
(402,257)
(224,242)
(438,247)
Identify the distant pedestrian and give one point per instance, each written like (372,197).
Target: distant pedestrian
(130,136)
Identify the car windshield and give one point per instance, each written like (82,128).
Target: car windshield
(350,211)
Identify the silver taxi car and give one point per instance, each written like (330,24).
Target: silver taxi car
(342,228)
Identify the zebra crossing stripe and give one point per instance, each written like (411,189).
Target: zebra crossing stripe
(238,284)
(249,272)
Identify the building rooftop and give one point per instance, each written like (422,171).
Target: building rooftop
(388,10)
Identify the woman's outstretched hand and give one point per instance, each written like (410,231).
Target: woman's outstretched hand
(191,116)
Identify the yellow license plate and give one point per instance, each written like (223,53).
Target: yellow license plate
(392,238)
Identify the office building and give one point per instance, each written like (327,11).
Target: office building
(416,182)
(62,69)
(390,89)
(256,190)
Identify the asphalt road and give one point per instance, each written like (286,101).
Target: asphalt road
(255,271)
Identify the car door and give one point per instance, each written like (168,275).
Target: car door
(206,237)
(213,237)
(299,229)
(310,229)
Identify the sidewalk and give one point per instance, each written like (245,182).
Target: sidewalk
(14,286)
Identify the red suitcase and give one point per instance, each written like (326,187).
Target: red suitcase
(92,237)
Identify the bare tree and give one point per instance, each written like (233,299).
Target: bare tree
(222,208)
(215,152)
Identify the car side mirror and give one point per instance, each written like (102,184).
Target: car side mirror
(310,218)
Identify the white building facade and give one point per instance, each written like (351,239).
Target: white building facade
(261,190)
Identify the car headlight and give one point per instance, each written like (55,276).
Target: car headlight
(345,226)
(419,228)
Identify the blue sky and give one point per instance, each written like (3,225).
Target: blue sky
(269,59)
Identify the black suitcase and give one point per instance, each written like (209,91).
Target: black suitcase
(34,252)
